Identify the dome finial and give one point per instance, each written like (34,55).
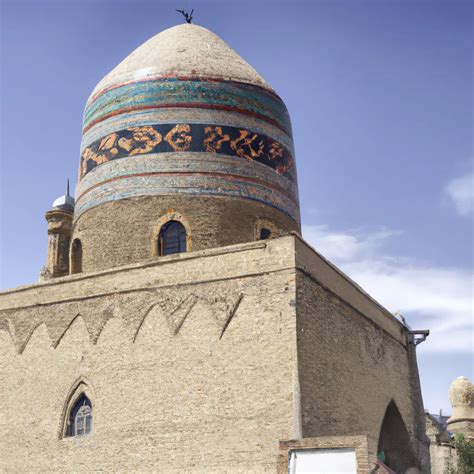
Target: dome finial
(187,16)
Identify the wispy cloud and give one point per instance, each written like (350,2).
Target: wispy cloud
(461,192)
(437,298)
(347,246)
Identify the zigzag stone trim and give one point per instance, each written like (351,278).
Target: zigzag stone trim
(176,312)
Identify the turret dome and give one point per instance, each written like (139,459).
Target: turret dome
(461,397)
(461,393)
(64,202)
(183,127)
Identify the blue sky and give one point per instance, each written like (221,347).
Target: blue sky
(380,95)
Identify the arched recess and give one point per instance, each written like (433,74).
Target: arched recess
(76,256)
(171,215)
(265,229)
(394,447)
(172,239)
(81,395)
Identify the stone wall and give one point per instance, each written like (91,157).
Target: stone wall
(189,362)
(353,360)
(132,226)
(199,362)
(442,451)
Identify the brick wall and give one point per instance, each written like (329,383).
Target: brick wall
(198,362)
(131,225)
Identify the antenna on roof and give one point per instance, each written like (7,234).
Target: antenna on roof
(67,188)
(187,16)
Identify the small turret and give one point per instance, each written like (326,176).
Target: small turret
(59,237)
(461,397)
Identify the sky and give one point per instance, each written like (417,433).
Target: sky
(381,100)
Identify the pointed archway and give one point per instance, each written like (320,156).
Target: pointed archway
(77,412)
(394,446)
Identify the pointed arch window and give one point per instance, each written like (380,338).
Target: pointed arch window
(80,417)
(76,256)
(172,238)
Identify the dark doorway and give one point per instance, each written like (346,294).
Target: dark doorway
(394,446)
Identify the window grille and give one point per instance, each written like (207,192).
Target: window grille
(83,421)
(172,238)
(80,418)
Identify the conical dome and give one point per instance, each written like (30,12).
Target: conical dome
(184,50)
(183,124)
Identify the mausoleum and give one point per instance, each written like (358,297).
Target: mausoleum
(181,322)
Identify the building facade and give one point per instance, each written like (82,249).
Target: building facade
(181,324)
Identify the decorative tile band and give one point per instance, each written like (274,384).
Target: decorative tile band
(165,138)
(185,173)
(221,118)
(190,93)
(149,77)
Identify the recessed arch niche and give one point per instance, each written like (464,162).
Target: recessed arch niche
(394,446)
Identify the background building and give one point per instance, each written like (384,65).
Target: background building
(442,430)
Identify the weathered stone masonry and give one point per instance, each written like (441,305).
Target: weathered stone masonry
(208,356)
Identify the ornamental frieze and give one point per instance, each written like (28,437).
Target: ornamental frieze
(163,138)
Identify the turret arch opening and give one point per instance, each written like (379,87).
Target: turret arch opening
(78,412)
(265,233)
(171,235)
(394,447)
(172,239)
(76,256)
(265,229)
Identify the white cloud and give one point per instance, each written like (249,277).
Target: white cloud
(461,192)
(430,297)
(343,246)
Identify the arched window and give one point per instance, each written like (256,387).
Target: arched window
(76,256)
(172,238)
(265,233)
(80,418)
